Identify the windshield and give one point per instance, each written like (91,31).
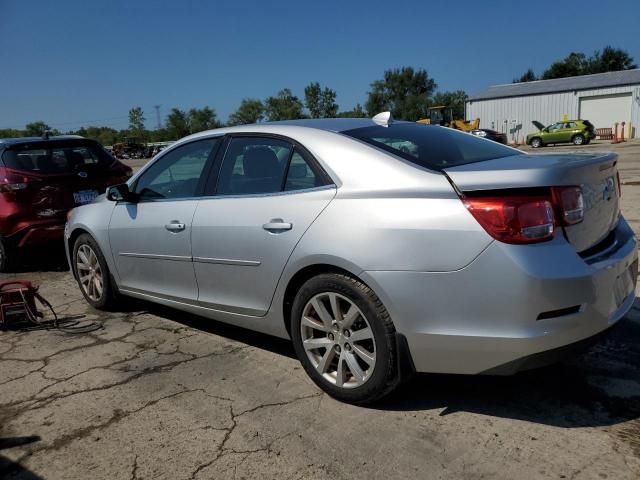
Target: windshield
(56,157)
(431,146)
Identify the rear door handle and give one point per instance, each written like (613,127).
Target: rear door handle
(277,225)
(175,226)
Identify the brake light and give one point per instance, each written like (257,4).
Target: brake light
(514,219)
(570,204)
(527,218)
(12,180)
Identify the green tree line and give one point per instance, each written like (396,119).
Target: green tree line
(406,92)
(577,63)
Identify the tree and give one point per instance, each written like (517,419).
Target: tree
(321,103)
(610,60)
(455,100)
(574,64)
(35,129)
(357,112)
(136,121)
(404,92)
(249,111)
(528,76)
(284,106)
(177,124)
(202,119)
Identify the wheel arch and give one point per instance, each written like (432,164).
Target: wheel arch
(404,360)
(299,278)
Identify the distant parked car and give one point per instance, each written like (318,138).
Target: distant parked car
(378,247)
(41,179)
(578,132)
(490,135)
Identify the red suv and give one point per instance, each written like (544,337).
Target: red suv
(41,179)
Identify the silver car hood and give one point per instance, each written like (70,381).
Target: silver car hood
(595,173)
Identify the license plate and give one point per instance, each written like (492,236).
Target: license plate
(84,196)
(625,283)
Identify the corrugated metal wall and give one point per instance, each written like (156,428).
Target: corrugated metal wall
(546,109)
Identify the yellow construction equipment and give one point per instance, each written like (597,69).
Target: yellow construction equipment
(443,115)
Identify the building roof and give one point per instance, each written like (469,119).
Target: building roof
(538,87)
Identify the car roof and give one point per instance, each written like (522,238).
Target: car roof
(328,124)
(21,140)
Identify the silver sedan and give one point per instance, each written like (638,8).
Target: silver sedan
(378,247)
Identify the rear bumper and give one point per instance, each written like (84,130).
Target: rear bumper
(486,315)
(38,234)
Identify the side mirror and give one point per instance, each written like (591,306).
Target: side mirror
(121,193)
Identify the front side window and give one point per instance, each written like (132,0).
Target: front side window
(555,127)
(177,174)
(430,146)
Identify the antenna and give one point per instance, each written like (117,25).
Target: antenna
(157,107)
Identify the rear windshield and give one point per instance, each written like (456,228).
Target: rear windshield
(431,146)
(58,157)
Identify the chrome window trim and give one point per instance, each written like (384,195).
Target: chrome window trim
(271,194)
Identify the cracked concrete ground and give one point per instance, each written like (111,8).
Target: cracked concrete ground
(156,393)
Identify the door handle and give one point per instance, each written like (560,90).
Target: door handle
(276,225)
(175,226)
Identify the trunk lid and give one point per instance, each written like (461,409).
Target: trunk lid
(594,173)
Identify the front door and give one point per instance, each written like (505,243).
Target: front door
(151,239)
(268,193)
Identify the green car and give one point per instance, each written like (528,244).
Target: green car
(578,132)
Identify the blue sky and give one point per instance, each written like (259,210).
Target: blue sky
(69,62)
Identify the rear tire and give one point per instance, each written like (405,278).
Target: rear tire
(345,339)
(578,139)
(92,273)
(536,142)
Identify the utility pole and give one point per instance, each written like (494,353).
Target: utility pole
(157,107)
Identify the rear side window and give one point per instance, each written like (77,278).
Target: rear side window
(431,146)
(260,165)
(56,158)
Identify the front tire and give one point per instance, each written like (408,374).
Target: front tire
(536,142)
(578,139)
(92,273)
(344,338)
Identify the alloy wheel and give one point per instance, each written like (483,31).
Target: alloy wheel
(338,340)
(89,272)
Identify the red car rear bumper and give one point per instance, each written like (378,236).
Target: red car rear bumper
(38,234)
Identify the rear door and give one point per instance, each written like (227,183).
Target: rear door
(151,239)
(268,192)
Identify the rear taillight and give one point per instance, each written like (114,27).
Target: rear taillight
(521,219)
(12,180)
(514,219)
(569,203)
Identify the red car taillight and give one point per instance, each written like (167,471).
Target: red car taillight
(12,180)
(514,219)
(525,219)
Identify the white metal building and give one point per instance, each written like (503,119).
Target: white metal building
(603,98)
